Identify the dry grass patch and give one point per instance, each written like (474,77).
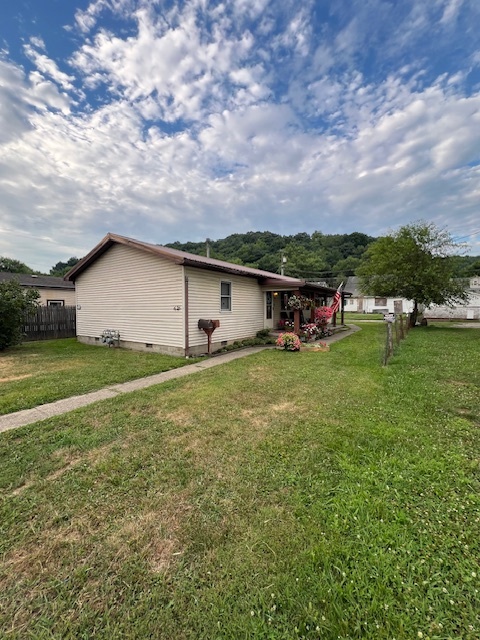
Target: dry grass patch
(180,417)
(44,554)
(154,533)
(261,374)
(13,378)
(265,418)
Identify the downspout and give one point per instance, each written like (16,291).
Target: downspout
(187,346)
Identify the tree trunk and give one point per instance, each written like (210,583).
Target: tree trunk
(414,314)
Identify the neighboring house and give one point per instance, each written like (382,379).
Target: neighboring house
(155,296)
(373,304)
(54,292)
(468,311)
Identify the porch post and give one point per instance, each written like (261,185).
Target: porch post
(296,321)
(296,317)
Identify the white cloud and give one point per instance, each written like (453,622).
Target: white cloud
(201,131)
(46,66)
(452,8)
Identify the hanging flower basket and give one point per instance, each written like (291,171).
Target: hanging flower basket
(299,302)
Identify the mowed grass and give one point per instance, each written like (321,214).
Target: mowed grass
(284,495)
(353,316)
(38,372)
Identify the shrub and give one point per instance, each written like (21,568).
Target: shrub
(263,333)
(15,302)
(288,341)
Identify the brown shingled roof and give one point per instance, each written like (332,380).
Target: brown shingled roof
(37,282)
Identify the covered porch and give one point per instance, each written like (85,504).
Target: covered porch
(278,311)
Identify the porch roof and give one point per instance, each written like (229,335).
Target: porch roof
(289,284)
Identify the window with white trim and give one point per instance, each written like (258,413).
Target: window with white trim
(225,296)
(55,303)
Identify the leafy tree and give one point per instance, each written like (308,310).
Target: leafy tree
(474,268)
(61,268)
(14,266)
(15,302)
(302,263)
(346,267)
(414,262)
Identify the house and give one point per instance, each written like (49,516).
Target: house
(362,303)
(155,296)
(54,292)
(468,311)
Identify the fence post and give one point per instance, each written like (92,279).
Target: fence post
(402,332)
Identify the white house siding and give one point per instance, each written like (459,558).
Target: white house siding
(367,304)
(243,321)
(67,295)
(134,293)
(469,311)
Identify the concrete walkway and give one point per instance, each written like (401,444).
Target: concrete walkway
(44,411)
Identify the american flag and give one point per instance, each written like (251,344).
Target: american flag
(336,300)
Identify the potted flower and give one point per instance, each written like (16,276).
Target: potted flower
(310,330)
(285,325)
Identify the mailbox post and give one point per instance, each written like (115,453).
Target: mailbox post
(209,327)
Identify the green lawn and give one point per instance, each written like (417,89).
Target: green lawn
(352,316)
(280,496)
(38,372)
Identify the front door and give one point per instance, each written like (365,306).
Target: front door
(398,306)
(268,322)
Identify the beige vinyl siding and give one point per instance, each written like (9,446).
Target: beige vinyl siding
(67,295)
(243,321)
(135,293)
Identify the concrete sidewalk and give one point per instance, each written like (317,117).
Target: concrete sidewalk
(44,411)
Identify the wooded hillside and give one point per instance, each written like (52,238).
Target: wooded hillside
(327,258)
(314,257)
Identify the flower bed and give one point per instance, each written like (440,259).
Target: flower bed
(315,346)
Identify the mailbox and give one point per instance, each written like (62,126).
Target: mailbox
(209,327)
(208,324)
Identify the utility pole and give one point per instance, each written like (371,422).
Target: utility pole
(207,244)
(282,263)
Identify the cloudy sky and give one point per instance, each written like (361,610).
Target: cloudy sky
(180,120)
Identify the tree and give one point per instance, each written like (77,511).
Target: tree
(61,268)
(14,266)
(416,263)
(15,302)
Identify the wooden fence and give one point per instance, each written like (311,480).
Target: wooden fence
(47,323)
(396,332)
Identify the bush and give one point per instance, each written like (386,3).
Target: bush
(15,302)
(289,342)
(263,333)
